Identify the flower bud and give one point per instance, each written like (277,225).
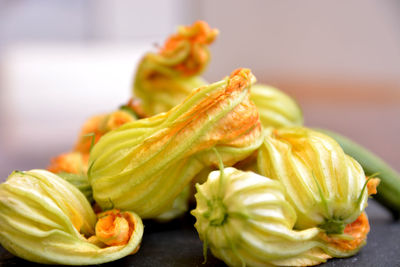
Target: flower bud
(144,165)
(47,220)
(276,108)
(326,187)
(245,220)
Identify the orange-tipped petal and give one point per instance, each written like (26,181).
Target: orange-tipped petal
(356,233)
(372,184)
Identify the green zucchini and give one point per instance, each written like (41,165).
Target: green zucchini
(389,187)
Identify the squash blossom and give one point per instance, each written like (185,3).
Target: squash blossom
(245,220)
(327,188)
(163,79)
(72,166)
(144,165)
(47,220)
(71,162)
(276,108)
(98,125)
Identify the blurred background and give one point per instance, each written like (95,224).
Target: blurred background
(63,61)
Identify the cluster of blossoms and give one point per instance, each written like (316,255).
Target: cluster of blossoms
(284,194)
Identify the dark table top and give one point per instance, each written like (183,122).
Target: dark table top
(176,243)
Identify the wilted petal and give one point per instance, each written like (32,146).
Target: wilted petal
(165,78)
(351,241)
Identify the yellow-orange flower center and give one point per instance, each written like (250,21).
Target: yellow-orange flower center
(114,228)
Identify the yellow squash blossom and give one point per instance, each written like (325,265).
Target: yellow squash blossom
(165,78)
(45,219)
(327,188)
(145,164)
(245,220)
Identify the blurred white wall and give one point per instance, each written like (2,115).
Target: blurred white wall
(355,39)
(50,90)
(91,20)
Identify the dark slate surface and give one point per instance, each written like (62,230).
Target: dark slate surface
(176,244)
